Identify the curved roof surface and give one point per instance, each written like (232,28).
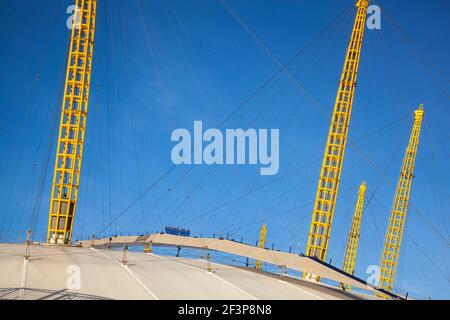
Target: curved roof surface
(61,272)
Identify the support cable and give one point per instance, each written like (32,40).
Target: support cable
(228,117)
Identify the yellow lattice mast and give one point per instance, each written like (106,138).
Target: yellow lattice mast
(394,234)
(330,174)
(261,244)
(148,247)
(353,236)
(72,128)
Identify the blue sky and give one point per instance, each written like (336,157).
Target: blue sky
(190,60)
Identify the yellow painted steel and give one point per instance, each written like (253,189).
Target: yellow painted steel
(353,236)
(72,128)
(261,244)
(394,234)
(327,190)
(148,247)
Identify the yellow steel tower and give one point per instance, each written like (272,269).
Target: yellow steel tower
(327,189)
(261,244)
(391,251)
(353,236)
(72,128)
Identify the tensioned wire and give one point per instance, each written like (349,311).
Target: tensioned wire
(114,87)
(276,61)
(229,116)
(315,103)
(189,40)
(434,188)
(150,49)
(394,84)
(95,140)
(23,107)
(6,112)
(431,159)
(109,108)
(370,194)
(346,196)
(178,40)
(253,106)
(402,254)
(50,138)
(279,178)
(421,251)
(428,67)
(37,189)
(132,107)
(202,93)
(315,59)
(275,180)
(439,140)
(236,177)
(19,140)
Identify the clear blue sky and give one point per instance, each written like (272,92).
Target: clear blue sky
(200,64)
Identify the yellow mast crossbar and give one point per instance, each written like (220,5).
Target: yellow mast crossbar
(261,244)
(353,236)
(327,190)
(394,233)
(69,152)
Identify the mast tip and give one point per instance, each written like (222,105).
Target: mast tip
(362,3)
